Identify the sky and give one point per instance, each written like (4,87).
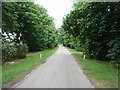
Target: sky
(57,9)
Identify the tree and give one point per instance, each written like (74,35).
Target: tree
(29,23)
(96,26)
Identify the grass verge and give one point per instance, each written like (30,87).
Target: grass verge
(11,72)
(101,73)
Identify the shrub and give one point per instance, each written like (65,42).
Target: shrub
(11,52)
(22,51)
(8,52)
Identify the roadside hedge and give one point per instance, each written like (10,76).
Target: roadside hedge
(11,52)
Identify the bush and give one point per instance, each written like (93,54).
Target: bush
(11,52)
(22,51)
(114,51)
(8,52)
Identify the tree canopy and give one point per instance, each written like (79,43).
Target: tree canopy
(95,27)
(26,22)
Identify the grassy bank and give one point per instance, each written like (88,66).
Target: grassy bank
(11,73)
(101,73)
(0,77)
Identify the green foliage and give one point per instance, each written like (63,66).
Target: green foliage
(114,51)
(9,17)
(10,52)
(96,26)
(29,23)
(69,40)
(22,50)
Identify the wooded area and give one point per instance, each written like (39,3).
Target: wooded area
(94,29)
(26,25)
(91,33)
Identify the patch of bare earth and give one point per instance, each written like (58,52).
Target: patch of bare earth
(97,84)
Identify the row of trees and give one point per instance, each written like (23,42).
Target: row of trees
(27,23)
(94,28)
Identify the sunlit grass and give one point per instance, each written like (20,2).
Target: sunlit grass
(101,73)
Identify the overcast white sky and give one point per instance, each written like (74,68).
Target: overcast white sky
(56,8)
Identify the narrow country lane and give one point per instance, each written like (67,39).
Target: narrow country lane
(60,71)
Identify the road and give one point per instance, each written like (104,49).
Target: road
(59,71)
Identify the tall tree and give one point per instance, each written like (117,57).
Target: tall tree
(97,27)
(29,23)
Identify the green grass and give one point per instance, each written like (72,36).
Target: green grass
(25,65)
(101,73)
(0,77)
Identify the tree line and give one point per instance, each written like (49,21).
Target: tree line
(26,27)
(94,29)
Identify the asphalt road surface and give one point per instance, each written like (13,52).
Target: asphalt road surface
(59,71)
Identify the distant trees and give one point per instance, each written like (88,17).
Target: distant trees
(28,23)
(96,29)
